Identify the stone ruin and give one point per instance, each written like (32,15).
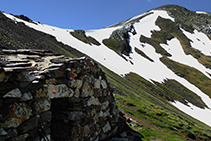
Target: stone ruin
(46,96)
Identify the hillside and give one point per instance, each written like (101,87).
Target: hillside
(159,63)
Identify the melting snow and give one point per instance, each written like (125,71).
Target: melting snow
(149,70)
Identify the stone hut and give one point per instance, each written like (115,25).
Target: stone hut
(46,96)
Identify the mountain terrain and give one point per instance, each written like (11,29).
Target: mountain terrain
(159,63)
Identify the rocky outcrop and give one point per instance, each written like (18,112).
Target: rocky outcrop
(46,96)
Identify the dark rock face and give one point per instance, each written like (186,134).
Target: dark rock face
(57,98)
(122,36)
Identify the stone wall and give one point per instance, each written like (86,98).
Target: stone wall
(44,96)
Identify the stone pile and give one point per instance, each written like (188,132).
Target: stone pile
(45,96)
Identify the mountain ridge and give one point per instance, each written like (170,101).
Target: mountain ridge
(156,41)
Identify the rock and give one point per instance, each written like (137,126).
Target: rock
(93,101)
(59,91)
(42,105)
(86,131)
(87,90)
(2,132)
(76,116)
(21,137)
(77,93)
(97,83)
(106,128)
(76,83)
(15,93)
(28,125)
(103,84)
(2,76)
(18,113)
(26,96)
(104,105)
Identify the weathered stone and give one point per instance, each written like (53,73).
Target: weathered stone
(15,93)
(26,96)
(76,116)
(18,113)
(28,125)
(104,105)
(97,83)
(25,76)
(106,128)
(87,90)
(103,84)
(21,137)
(3,132)
(76,83)
(42,105)
(2,76)
(77,93)
(86,131)
(93,101)
(59,91)
(50,81)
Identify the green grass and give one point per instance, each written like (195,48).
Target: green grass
(143,54)
(112,44)
(155,44)
(80,35)
(191,74)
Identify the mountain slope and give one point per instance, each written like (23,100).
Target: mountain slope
(163,57)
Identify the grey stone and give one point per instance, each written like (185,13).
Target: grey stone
(15,93)
(77,93)
(20,112)
(26,96)
(2,132)
(86,131)
(59,91)
(93,101)
(104,105)
(103,84)
(97,83)
(87,90)
(106,128)
(42,105)
(76,115)
(76,83)
(124,134)
(2,76)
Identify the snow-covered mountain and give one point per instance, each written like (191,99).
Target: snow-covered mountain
(163,45)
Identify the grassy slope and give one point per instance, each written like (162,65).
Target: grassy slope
(151,108)
(147,106)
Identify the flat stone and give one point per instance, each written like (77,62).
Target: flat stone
(106,128)
(2,76)
(76,83)
(77,93)
(2,132)
(75,116)
(104,105)
(59,91)
(97,83)
(26,96)
(87,90)
(15,93)
(42,105)
(93,101)
(103,84)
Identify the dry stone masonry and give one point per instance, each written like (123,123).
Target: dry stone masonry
(45,96)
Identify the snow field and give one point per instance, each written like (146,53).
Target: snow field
(149,70)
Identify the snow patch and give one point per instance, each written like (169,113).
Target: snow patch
(202,115)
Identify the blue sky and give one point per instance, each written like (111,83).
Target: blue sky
(90,14)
